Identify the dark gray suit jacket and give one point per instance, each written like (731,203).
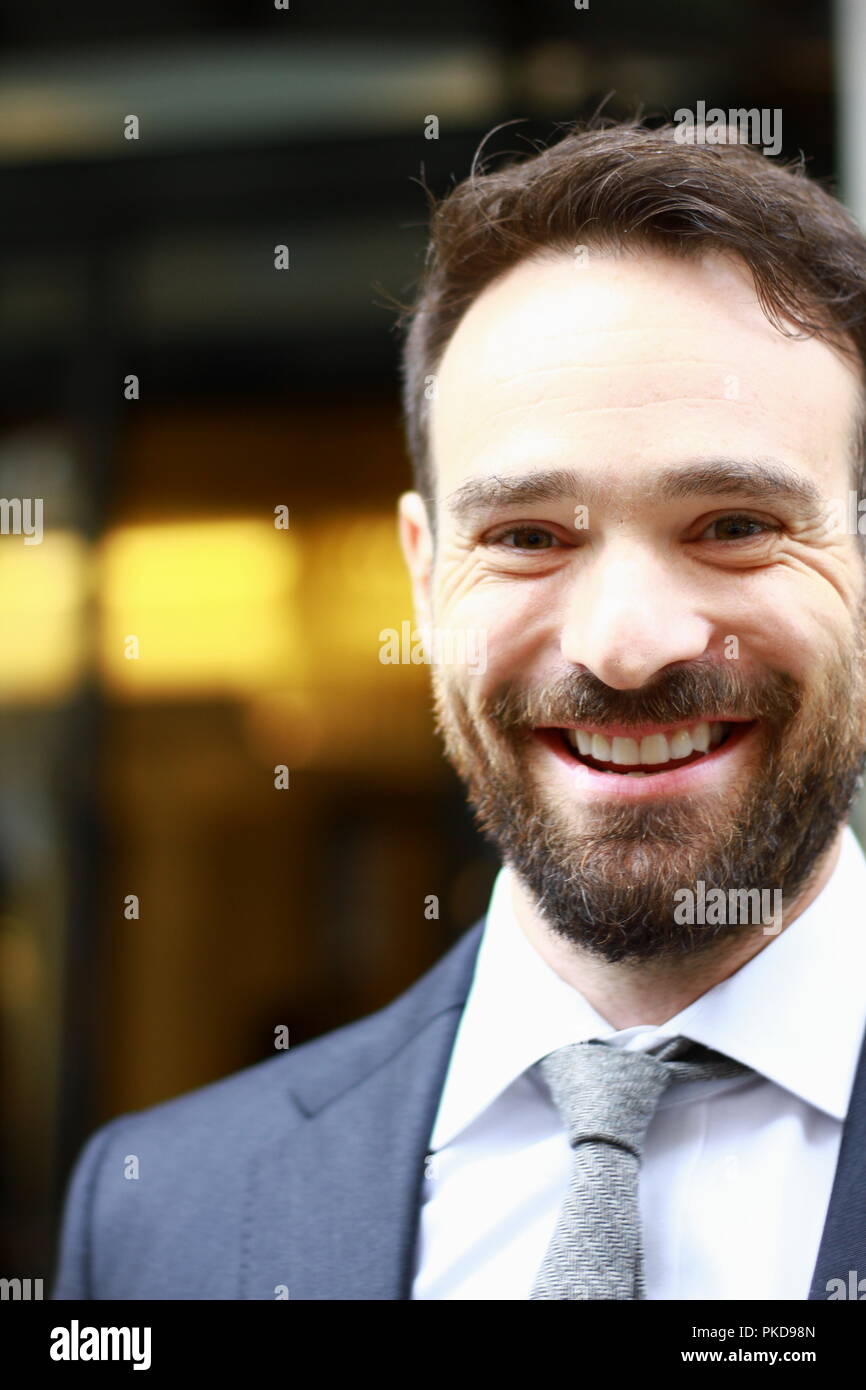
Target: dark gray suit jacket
(304,1173)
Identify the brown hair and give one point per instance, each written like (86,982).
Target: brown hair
(621,184)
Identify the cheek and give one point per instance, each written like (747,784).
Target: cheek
(795,634)
(519,627)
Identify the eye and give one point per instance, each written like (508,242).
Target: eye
(738,528)
(525,538)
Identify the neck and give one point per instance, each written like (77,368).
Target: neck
(650,992)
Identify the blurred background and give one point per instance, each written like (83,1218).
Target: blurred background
(169,393)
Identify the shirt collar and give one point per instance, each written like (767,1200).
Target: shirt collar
(794,1013)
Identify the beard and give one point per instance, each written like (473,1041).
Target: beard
(604,876)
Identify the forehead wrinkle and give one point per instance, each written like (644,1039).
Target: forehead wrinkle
(705,364)
(620,406)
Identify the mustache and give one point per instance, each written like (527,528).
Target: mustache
(688,695)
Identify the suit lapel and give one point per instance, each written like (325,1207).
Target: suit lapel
(843,1243)
(332,1206)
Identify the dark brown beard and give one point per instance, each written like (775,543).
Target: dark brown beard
(611,887)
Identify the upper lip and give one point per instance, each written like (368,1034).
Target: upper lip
(644,730)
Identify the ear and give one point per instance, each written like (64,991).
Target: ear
(416,541)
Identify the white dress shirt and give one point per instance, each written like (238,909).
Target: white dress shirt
(737,1173)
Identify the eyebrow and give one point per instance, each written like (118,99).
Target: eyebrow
(761,480)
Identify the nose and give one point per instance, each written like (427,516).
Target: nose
(629,616)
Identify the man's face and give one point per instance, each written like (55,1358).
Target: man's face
(634,470)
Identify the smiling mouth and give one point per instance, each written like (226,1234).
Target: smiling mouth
(646,753)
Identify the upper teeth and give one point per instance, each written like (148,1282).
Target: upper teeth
(650,750)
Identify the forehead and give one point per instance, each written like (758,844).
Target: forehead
(628,362)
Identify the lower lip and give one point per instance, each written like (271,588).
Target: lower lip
(704,772)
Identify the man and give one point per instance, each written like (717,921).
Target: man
(634,391)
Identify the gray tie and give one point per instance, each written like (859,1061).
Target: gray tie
(606,1098)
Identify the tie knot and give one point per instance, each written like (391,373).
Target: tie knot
(606,1094)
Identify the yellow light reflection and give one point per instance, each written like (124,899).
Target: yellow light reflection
(42,593)
(357,586)
(355,711)
(209,605)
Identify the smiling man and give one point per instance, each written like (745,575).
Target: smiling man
(644,424)
(674,686)
(634,389)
